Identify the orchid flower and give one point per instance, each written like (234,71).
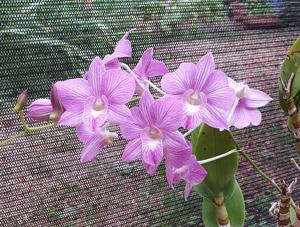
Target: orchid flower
(46,109)
(152,129)
(191,172)
(147,67)
(203,92)
(244,110)
(100,98)
(94,139)
(122,50)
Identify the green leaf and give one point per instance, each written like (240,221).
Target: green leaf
(235,208)
(211,142)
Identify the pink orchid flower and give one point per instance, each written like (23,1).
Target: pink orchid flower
(94,139)
(244,110)
(203,91)
(46,109)
(152,129)
(100,98)
(191,171)
(148,67)
(122,50)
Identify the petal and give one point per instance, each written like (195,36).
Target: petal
(83,132)
(39,110)
(240,117)
(204,67)
(119,114)
(70,118)
(187,190)
(156,68)
(255,98)
(141,67)
(254,116)
(96,70)
(214,117)
(192,121)
(151,169)
(73,93)
(130,130)
(180,80)
(196,173)
(145,104)
(123,49)
(118,86)
(92,147)
(217,91)
(133,150)
(166,114)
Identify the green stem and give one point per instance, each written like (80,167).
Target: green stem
(11,139)
(257,169)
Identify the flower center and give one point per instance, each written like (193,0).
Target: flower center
(197,99)
(240,90)
(98,107)
(154,133)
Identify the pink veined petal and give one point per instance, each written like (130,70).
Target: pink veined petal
(174,139)
(254,116)
(204,67)
(151,169)
(94,118)
(187,190)
(214,117)
(92,147)
(39,110)
(170,174)
(217,91)
(130,130)
(133,150)
(179,155)
(58,108)
(196,173)
(83,132)
(113,64)
(95,73)
(145,104)
(192,121)
(123,49)
(240,117)
(166,114)
(119,114)
(156,68)
(70,118)
(255,98)
(73,93)
(179,81)
(138,117)
(141,67)
(118,86)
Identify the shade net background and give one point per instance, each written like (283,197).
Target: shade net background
(42,182)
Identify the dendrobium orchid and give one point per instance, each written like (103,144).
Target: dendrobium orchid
(245,111)
(99,98)
(153,127)
(203,91)
(46,109)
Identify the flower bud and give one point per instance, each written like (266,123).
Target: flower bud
(21,101)
(39,110)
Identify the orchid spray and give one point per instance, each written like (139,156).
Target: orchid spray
(196,98)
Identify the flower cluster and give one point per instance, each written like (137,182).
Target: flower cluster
(193,94)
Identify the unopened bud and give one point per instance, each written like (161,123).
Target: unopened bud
(21,101)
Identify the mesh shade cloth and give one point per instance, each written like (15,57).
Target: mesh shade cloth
(42,182)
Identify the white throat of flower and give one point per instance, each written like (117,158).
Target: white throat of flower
(194,102)
(98,108)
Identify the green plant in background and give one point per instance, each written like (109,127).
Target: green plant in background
(258,8)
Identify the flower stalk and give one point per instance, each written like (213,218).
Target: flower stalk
(221,211)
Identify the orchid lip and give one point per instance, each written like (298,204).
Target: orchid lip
(98,107)
(154,133)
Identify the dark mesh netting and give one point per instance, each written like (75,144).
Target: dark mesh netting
(42,182)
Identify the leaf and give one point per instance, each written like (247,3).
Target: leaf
(235,208)
(292,215)
(211,142)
